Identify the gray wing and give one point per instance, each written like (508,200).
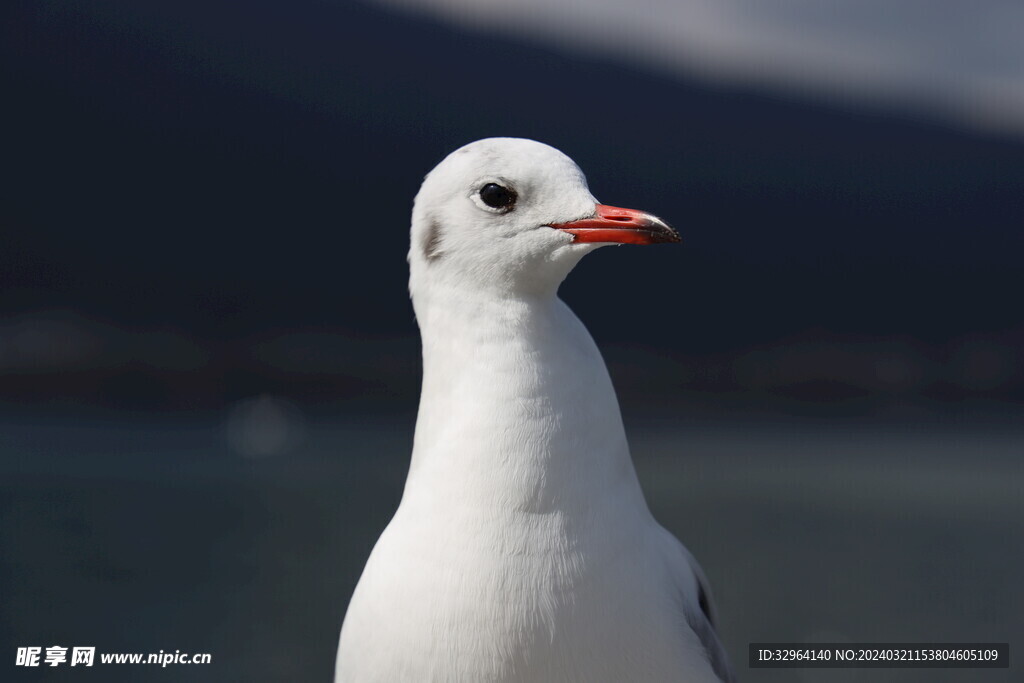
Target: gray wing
(702,622)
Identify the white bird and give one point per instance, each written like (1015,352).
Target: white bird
(523,548)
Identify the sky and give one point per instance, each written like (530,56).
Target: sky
(942,59)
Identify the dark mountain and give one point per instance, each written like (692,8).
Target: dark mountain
(227,176)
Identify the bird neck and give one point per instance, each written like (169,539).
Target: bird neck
(517,411)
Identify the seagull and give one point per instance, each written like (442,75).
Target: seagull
(523,549)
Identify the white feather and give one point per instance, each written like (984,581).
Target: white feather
(523,549)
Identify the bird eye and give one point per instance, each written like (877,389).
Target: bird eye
(497,197)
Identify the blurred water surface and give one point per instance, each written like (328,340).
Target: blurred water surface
(140,534)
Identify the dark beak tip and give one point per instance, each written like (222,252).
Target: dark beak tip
(665,233)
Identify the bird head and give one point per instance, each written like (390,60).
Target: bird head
(514,215)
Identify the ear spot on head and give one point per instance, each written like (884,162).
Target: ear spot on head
(432,240)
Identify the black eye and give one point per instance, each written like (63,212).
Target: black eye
(497,197)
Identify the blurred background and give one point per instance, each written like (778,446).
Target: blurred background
(209,366)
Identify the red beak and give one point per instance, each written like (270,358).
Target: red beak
(623,226)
